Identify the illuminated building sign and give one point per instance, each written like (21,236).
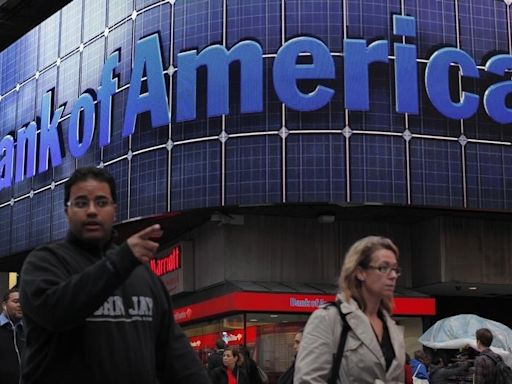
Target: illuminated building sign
(287,303)
(169,263)
(175,267)
(32,148)
(231,337)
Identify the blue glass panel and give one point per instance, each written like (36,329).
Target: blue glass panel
(141,4)
(481,126)
(371,19)
(46,82)
(40,223)
(119,172)
(253,170)
(483,28)
(26,61)
(58,220)
(258,20)
(49,38)
(118,145)
(146,136)
(148,189)
(429,121)
(92,156)
(93,58)
(41,180)
(196,175)
(5,195)
(20,234)
(8,114)
(329,117)
(9,67)
(94,19)
(118,10)
(315,168)
(197,24)
(377,169)
(486,169)
(319,18)
(68,165)
(435,25)
(25,104)
(23,187)
(436,177)
(154,20)
(269,120)
(120,39)
(5,230)
(381,116)
(71,27)
(68,83)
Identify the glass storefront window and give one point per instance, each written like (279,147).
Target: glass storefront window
(269,337)
(203,335)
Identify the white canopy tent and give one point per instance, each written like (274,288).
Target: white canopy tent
(458,331)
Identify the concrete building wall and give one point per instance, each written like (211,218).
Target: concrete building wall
(433,252)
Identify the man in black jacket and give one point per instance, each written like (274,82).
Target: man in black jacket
(287,376)
(11,337)
(215,359)
(93,311)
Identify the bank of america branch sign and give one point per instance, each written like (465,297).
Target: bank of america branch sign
(209,103)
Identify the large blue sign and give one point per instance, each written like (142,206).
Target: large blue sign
(287,74)
(260,102)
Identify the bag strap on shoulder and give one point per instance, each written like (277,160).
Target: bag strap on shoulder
(496,361)
(345,328)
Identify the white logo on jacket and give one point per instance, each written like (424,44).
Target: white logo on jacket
(114,309)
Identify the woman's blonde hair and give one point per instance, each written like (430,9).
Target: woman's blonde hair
(360,255)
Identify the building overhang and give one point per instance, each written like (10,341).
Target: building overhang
(230,298)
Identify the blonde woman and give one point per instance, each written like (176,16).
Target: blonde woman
(374,350)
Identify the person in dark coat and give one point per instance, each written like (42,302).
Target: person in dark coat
(485,363)
(287,376)
(230,372)
(12,337)
(250,366)
(215,359)
(93,311)
(450,373)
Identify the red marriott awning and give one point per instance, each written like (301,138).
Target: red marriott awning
(287,303)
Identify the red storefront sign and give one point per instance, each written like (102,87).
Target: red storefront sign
(232,337)
(287,303)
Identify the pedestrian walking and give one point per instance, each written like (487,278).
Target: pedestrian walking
(231,372)
(94,312)
(374,349)
(12,337)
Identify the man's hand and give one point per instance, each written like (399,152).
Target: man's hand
(142,243)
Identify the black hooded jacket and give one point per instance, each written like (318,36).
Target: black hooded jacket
(99,316)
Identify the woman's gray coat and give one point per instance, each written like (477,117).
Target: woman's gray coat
(363,361)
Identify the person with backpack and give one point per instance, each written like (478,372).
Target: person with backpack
(489,366)
(287,376)
(215,359)
(357,330)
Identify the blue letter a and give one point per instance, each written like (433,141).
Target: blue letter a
(148,56)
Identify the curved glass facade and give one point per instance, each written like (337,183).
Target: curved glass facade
(278,155)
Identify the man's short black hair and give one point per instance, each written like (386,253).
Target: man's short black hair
(484,336)
(86,173)
(220,344)
(7,294)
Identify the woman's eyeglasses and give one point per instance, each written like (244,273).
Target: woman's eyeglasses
(386,269)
